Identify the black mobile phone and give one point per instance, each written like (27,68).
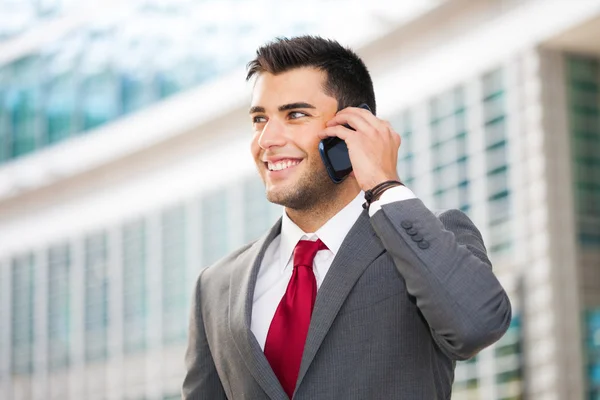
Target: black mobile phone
(334,154)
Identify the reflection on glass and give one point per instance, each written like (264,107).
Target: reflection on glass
(23,103)
(99,100)
(449,150)
(96,297)
(174,265)
(121,63)
(22,286)
(135,309)
(59,306)
(214,230)
(60,107)
(5,128)
(583,78)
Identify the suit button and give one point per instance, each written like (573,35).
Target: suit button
(406,224)
(418,237)
(411,231)
(424,244)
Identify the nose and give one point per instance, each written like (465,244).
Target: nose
(273,134)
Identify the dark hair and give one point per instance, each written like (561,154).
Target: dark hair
(348,79)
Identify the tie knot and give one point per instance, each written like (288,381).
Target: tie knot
(305,252)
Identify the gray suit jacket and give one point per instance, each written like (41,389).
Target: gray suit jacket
(407,295)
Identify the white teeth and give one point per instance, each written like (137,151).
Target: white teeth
(280,165)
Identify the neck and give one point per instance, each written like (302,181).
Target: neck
(311,219)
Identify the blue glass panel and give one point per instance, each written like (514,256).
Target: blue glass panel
(5,127)
(22,338)
(59,306)
(215,230)
(174,266)
(100,100)
(136,93)
(60,107)
(135,309)
(23,101)
(96,297)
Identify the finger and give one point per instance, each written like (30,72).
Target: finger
(366,114)
(397,139)
(335,131)
(355,121)
(357,110)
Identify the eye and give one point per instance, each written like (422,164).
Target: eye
(258,119)
(297,114)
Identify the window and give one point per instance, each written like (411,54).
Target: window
(59,306)
(592,321)
(177,78)
(23,103)
(583,81)
(135,303)
(136,91)
(497,165)
(215,227)
(404,126)
(60,107)
(99,99)
(449,150)
(509,359)
(96,297)
(259,213)
(5,126)
(22,337)
(466,379)
(174,266)
(118,64)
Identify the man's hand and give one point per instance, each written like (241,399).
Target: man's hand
(373,147)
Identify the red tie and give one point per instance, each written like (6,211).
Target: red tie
(288,330)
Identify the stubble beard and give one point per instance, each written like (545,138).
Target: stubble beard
(313,190)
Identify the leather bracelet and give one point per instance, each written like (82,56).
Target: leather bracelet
(372,195)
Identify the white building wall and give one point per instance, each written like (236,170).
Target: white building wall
(137,166)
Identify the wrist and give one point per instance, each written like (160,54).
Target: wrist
(375,193)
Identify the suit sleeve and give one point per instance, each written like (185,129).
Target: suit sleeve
(445,266)
(201,379)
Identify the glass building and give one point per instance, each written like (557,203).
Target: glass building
(124,170)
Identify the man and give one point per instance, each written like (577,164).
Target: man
(337,301)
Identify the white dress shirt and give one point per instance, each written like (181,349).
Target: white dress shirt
(277,265)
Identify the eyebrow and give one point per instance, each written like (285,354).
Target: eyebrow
(285,107)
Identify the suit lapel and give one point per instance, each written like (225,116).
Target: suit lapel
(241,297)
(359,249)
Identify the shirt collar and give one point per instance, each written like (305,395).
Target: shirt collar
(332,233)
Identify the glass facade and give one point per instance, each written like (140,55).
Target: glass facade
(259,213)
(174,283)
(135,300)
(135,56)
(592,349)
(449,150)
(59,306)
(215,227)
(22,338)
(403,124)
(96,296)
(508,356)
(507,359)
(497,162)
(21,103)
(583,83)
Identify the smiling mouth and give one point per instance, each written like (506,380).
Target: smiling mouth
(281,165)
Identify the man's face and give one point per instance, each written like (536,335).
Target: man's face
(287,112)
